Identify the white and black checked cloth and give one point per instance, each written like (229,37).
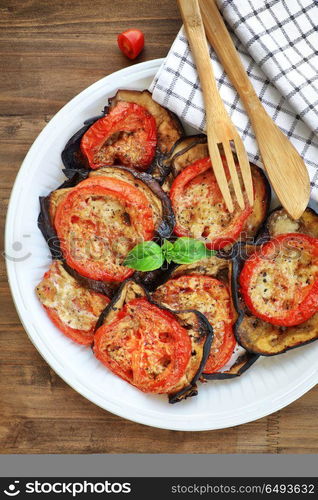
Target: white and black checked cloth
(278,44)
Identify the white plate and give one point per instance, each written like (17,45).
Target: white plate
(269,385)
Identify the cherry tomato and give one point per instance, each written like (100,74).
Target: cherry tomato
(131,42)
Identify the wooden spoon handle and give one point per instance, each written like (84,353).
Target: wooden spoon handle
(215,112)
(223,45)
(194,27)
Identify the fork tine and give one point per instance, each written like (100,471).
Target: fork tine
(245,168)
(234,175)
(219,173)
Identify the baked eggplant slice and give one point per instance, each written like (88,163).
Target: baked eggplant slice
(178,291)
(168,130)
(185,142)
(196,149)
(48,205)
(72,157)
(258,336)
(71,307)
(158,200)
(265,339)
(215,266)
(279,222)
(169,348)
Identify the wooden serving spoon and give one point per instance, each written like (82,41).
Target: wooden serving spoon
(285,168)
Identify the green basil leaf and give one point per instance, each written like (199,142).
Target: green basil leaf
(167,249)
(146,256)
(188,250)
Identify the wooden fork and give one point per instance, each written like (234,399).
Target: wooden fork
(220,130)
(285,168)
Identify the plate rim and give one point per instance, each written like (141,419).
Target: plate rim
(150,420)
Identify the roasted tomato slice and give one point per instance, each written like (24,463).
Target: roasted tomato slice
(144,345)
(72,308)
(210,297)
(279,284)
(200,209)
(126,135)
(98,222)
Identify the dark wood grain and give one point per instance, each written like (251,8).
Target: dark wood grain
(50,51)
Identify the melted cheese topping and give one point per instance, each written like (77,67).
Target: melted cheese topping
(108,228)
(201,210)
(281,223)
(127,148)
(100,231)
(201,293)
(281,282)
(117,173)
(76,306)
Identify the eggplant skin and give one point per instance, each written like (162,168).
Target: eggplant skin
(47,230)
(185,142)
(258,336)
(242,364)
(215,266)
(201,337)
(262,201)
(71,155)
(200,332)
(97,286)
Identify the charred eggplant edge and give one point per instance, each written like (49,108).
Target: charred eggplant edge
(251,358)
(194,139)
(71,155)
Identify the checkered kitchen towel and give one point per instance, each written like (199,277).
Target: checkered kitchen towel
(278,44)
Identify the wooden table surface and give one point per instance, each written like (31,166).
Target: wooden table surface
(50,50)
